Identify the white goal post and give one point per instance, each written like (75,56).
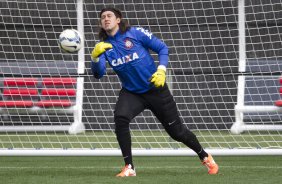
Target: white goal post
(240,109)
(224,71)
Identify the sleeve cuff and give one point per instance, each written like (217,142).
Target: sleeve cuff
(162,67)
(95,60)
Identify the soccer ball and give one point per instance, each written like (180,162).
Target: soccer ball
(70,40)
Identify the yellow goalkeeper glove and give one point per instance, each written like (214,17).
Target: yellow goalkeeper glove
(158,78)
(99,49)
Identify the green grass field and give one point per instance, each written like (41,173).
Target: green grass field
(159,170)
(151,170)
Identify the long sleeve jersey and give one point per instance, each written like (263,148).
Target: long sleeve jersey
(131,60)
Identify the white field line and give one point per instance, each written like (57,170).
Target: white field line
(143,167)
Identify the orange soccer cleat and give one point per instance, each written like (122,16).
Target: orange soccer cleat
(210,164)
(127,171)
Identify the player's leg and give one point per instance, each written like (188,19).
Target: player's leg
(164,107)
(181,133)
(127,107)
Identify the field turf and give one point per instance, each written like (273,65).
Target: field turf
(151,170)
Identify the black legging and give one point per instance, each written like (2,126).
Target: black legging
(161,103)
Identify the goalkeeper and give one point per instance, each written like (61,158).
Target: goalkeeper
(126,49)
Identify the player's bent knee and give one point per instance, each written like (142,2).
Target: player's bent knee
(180,133)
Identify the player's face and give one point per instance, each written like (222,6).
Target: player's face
(109,22)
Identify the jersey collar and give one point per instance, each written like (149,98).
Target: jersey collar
(118,33)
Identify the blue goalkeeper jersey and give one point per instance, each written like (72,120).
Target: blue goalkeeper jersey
(131,60)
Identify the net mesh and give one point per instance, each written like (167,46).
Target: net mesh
(203,40)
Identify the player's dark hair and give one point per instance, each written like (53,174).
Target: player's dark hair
(123,25)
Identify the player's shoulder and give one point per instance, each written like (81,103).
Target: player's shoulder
(141,31)
(133,30)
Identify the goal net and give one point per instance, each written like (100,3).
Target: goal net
(224,74)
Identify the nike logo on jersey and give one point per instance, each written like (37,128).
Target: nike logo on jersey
(124,59)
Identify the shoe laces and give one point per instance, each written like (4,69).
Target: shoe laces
(128,166)
(208,162)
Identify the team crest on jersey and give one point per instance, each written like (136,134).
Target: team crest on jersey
(128,44)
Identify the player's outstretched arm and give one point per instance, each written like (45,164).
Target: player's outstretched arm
(98,61)
(99,49)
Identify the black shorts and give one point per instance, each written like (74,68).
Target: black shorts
(158,100)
